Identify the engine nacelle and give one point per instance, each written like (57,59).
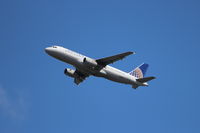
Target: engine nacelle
(90,62)
(70,72)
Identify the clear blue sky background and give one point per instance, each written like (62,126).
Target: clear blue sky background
(36,97)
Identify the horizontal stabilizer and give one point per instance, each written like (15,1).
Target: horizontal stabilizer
(146,79)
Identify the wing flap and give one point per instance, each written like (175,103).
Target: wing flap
(108,60)
(78,80)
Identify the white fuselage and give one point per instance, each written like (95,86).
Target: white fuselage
(76,60)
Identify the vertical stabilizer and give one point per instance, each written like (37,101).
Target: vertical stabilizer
(140,71)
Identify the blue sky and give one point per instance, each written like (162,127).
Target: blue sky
(35,95)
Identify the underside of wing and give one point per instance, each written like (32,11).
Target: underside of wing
(108,60)
(81,76)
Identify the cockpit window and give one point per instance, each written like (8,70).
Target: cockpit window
(54,47)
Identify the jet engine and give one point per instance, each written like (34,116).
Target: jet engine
(90,62)
(70,72)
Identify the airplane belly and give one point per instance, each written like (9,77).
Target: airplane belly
(117,78)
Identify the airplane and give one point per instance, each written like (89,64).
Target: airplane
(86,66)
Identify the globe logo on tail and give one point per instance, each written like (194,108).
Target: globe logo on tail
(138,73)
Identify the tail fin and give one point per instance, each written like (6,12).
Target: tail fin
(140,71)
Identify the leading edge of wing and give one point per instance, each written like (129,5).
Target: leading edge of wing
(108,60)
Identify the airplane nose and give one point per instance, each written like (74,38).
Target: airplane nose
(47,50)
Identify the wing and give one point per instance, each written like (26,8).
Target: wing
(81,76)
(108,60)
